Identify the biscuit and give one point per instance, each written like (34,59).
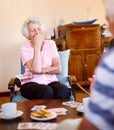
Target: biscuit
(48,115)
(41,113)
(44,111)
(35,114)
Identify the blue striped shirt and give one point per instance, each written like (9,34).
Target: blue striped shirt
(100,110)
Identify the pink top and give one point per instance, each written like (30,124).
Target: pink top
(47,54)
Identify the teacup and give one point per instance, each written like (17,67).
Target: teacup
(9,109)
(85,102)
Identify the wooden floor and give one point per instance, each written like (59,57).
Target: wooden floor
(79,96)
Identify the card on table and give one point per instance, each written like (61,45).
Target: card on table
(72,104)
(59,111)
(37,125)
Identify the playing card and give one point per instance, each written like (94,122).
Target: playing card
(38,125)
(59,111)
(72,104)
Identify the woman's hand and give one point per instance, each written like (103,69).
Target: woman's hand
(38,40)
(28,75)
(44,70)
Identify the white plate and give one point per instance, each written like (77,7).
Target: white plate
(80,108)
(54,115)
(18,114)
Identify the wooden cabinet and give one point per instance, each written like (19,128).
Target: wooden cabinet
(84,42)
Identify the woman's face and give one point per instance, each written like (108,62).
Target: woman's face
(34,29)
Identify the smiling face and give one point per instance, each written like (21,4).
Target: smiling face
(34,29)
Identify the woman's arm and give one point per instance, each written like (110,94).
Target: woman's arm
(35,64)
(55,68)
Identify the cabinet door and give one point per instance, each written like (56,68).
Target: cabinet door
(82,64)
(76,65)
(91,61)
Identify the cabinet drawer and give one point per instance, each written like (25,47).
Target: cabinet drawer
(83,36)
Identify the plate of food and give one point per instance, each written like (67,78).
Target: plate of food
(43,115)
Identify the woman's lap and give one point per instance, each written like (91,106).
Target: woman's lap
(36,91)
(60,91)
(53,90)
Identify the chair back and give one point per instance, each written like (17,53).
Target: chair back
(22,68)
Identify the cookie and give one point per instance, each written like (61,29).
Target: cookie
(36,114)
(41,113)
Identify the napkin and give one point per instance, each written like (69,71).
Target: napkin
(37,107)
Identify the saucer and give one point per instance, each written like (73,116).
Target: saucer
(18,114)
(80,108)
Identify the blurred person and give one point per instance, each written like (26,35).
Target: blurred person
(42,63)
(99,114)
(111,43)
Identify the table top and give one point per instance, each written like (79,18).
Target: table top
(26,108)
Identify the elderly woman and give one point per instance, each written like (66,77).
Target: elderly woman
(42,62)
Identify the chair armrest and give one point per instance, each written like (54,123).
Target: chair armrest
(73,83)
(72,80)
(11,86)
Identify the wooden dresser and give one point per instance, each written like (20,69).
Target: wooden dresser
(84,42)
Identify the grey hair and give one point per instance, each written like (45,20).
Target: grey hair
(109,5)
(24,28)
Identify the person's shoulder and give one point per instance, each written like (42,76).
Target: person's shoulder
(50,42)
(26,46)
(110,53)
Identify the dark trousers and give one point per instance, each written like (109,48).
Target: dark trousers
(54,90)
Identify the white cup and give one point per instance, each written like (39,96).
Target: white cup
(9,109)
(85,102)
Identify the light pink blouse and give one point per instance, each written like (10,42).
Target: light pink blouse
(47,54)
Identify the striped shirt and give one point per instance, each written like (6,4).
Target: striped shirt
(100,111)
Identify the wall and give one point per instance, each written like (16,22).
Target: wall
(14,12)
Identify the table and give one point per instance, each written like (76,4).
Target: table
(27,105)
